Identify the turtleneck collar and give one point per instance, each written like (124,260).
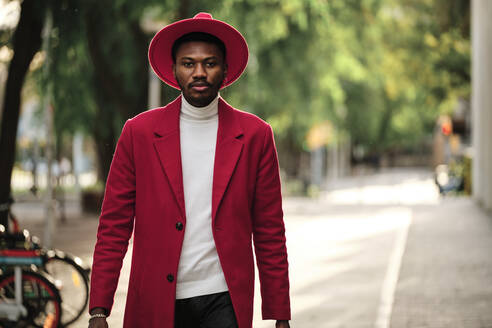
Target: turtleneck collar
(191,112)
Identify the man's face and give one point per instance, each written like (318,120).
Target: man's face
(199,71)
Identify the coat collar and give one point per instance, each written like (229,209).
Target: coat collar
(227,152)
(168,121)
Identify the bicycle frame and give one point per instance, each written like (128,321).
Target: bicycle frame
(14,312)
(17,259)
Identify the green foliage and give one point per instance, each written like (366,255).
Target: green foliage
(380,71)
(363,65)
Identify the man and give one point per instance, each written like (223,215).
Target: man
(195,182)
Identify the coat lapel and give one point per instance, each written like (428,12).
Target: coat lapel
(227,152)
(167,146)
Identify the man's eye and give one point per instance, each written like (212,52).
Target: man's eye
(188,64)
(211,64)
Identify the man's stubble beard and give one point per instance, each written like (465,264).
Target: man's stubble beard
(207,100)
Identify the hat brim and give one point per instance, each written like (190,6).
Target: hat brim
(160,56)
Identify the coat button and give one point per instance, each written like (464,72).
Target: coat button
(179,226)
(170,278)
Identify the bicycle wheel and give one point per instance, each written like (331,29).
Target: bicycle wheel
(39,296)
(72,282)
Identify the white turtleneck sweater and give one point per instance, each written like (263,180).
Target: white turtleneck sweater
(199,271)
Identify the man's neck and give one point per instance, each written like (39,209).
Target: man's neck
(199,104)
(189,111)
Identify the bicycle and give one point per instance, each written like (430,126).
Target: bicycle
(71,278)
(70,275)
(27,298)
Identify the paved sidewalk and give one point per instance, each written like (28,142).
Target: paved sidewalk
(446,274)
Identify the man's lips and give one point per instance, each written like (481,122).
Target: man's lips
(200,86)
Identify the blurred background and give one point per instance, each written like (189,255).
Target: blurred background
(348,86)
(374,113)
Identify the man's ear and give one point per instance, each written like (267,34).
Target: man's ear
(174,71)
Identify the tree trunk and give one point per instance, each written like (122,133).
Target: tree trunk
(183,9)
(105,146)
(26,42)
(289,155)
(111,96)
(141,42)
(385,124)
(104,76)
(104,135)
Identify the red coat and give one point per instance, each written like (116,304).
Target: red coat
(144,195)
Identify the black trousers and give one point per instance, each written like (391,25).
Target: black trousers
(207,311)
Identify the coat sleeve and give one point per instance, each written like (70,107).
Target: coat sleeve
(115,224)
(269,235)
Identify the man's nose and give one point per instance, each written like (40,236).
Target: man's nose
(199,71)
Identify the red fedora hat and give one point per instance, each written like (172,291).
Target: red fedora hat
(160,56)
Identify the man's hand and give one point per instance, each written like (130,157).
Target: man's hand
(282,324)
(98,322)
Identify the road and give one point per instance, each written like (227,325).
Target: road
(377,251)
